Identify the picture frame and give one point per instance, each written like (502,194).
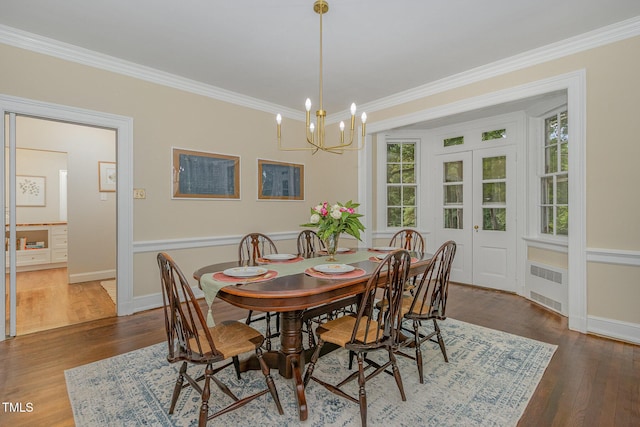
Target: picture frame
(31,190)
(204,175)
(107,177)
(280,180)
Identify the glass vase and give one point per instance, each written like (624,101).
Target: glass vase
(331,246)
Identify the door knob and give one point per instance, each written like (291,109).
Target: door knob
(475,227)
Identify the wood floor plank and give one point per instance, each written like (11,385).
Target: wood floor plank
(583,372)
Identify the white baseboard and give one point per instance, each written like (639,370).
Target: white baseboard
(92,276)
(614,328)
(151,301)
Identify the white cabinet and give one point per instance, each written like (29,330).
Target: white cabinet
(58,243)
(39,246)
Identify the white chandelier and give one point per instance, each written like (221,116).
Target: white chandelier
(315,131)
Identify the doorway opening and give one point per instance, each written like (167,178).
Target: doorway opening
(60,215)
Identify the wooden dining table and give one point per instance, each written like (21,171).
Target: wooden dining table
(292,292)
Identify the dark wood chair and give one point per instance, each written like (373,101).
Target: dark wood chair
(408,239)
(309,242)
(429,303)
(191,341)
(369,330)
(252,247)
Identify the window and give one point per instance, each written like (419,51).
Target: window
(401,184)
(494,134)
(450,142)
(554,178)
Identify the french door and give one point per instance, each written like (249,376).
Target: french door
(477,209)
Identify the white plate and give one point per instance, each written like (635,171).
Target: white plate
(245,271)
(381,256)
(334,268)
(279,257)
(339,250)
(385,248)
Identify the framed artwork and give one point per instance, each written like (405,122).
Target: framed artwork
(107,176)
(204,175)
(280,181)
(30,190)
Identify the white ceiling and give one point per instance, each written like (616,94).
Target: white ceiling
(269,50)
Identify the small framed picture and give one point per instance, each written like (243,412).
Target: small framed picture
(30,190)
(107,176)
(280,181)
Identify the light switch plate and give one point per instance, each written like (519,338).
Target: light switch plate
(139,193)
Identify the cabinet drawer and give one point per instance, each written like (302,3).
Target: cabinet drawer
(33,256)
(59,255)
(58,241)
(58,229)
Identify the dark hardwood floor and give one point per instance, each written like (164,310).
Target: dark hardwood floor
(591,381)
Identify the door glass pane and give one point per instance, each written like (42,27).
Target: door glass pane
(494,167)
(453,171)
(494,192)
(394,217)
(547,190)
(494,219)
(453,218)
(453,194)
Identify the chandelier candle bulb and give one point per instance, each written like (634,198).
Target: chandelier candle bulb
(364,124)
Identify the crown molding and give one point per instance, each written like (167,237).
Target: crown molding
(600,37)
(69,52)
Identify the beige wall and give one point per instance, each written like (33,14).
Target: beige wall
(165,117)
(47,164)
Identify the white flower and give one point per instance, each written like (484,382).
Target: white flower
(318,208)
(315,218)
(336,214)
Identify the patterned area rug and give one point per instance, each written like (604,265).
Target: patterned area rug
(488,381)
(110,287)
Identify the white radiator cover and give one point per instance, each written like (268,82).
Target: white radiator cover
(547,285)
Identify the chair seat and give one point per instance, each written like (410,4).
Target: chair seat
(339,331)
(231,338)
